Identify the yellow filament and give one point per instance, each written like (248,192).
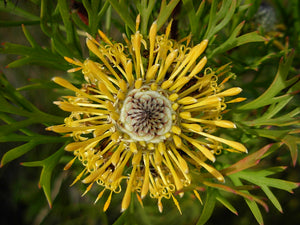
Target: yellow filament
(128,70)
(219,123)
(102,87)
(236,145)
(96,51)
(206,101)
(152,35)
(107,203)
(187,100)
(104,37)
(132,147)
(99,196)
(163,69)
(138,83)
(145,186)
(68,85)
(200,147)
(177,204)
(209,168)
(151,72)
(92,66)
(75,62)
(123,85)
(177,141)
(127,195)
(176,130)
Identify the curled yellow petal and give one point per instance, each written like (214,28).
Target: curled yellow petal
(236,145)
(187,100)
(107,203)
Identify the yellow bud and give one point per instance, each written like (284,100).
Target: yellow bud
(166,84)
(173,97)
(123,85)
(177,141)
(185,115)
(154,86)
(175,106)
(192,126)
(176,130)
(132,147)
(138,83)
(187,100)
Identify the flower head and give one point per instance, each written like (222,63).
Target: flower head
(145,116)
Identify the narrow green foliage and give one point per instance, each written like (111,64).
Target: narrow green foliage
(95,12)
(17,152)
(165,12)
(234,40)
(251,204)
(219,19)
(280,82)
(208,207)
(226,203)
(48,165)
(145,11)
(261,179)
(122,10)
(248,161)
(12,8)
(194,15)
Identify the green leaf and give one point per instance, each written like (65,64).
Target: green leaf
(165,12)
(234,41)
(272,197)
(277,85)
(194,17)
(276,135)
(251,204)
(121,219)
(38,84)
(33,142)
(145,11)
(9,120)
(260,178)
(226,203)
(17,152)
(12,8)
(95,13)
(48,165)
(218,20)
(255,211)
(14,138)
(29,37)
(63,6)
(121,9)
(209,206)
(249,161)
(9,128)
(33,56)
(237,191)
(8,108)
(9,93)
(292,141)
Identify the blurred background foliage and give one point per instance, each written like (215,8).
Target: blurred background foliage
(260,40)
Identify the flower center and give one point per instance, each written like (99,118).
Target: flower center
(146,116)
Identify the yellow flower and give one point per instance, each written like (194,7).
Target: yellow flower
(145,115)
